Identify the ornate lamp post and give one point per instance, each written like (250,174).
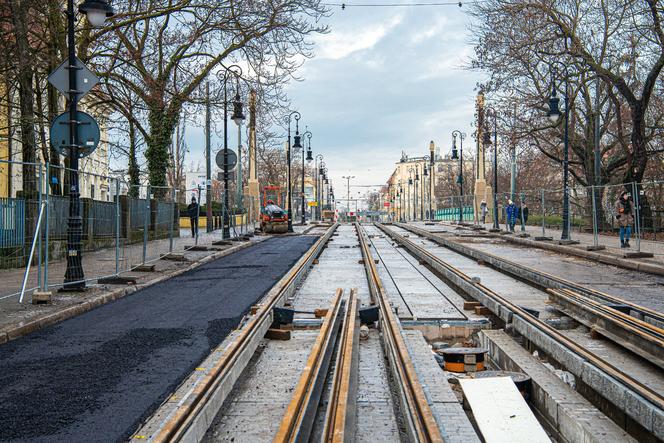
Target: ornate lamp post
(490,112)
(307,136)
(458,154)
(409,199)
(96,11)
(237,116)
(425,174)
(432,182)
(297,145)
(554,115)
(319,158)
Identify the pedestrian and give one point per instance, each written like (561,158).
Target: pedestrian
(193,209)
(625,216)
(524,213)
(511,212)
(483,211)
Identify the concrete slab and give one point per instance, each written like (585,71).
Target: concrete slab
(452,420)
(515,291)
(375,409)
(571,415)
(254,409)
(412,287)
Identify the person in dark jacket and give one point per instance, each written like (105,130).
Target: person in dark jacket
(193,209)
(511,212)
(524,213)
(625,215)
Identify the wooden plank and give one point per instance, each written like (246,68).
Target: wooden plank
(501,413)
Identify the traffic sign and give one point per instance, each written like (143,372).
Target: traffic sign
(85,79)
(232,159)
(386,204)
(312,203)
(88,134)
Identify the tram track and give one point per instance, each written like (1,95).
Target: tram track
(634,327)
(600,374)
(322,404)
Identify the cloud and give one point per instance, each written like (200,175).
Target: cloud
(342,43)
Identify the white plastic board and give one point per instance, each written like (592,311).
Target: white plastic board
(500,411)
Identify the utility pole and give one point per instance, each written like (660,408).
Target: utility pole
(208,163)
(347,178)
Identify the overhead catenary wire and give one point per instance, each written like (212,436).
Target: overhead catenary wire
(389,5)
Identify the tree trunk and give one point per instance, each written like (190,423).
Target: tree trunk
(162,125)
(133,170)
(637,165)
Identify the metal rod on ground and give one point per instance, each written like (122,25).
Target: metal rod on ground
(594,201)
(48,212)
(117,227)
(637,216)
(32,251)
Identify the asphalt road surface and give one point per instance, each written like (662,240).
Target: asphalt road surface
(96,376)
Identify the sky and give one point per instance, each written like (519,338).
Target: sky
(383,80)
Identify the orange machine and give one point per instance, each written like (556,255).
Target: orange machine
(273,218)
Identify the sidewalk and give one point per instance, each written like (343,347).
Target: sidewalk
(613,254)
(18,319)
(102,262)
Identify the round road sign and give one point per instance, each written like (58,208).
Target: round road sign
(88,134)
(232,159)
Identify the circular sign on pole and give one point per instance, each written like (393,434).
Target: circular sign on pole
(88,134)
(232,159)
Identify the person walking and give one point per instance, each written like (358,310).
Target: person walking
(625,216)
(511,211)
(193,209)
(483,211)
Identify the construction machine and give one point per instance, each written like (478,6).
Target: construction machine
(274,219)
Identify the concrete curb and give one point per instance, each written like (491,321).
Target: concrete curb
(20,329)
(591,255)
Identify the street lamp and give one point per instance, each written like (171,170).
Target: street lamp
(458,154)
(554,115)
(348,178)
(432,183)
(307,136)
(237,117)
(425,174)
(319,157)
(96,11)
(409,199)
(297,144)
(490,112)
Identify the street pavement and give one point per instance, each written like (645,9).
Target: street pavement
(96,376)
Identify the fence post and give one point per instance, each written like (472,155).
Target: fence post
(117,227)
(170,225)
(146,218)
(198,213)
(48,212)
(595,221)
(38,233)
(543,216)
(637,216)
(523,221)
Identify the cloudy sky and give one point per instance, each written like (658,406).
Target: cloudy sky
(383,80)
(386,80)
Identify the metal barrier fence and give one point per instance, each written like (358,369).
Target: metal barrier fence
(123,226)
(593,218)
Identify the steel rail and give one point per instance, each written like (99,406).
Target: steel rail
(423,426)
(626,331)
(300,414)
(625,379)
(340,415)
(512,266)
(179,422)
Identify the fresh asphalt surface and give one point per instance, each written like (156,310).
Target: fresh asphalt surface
(96,376)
